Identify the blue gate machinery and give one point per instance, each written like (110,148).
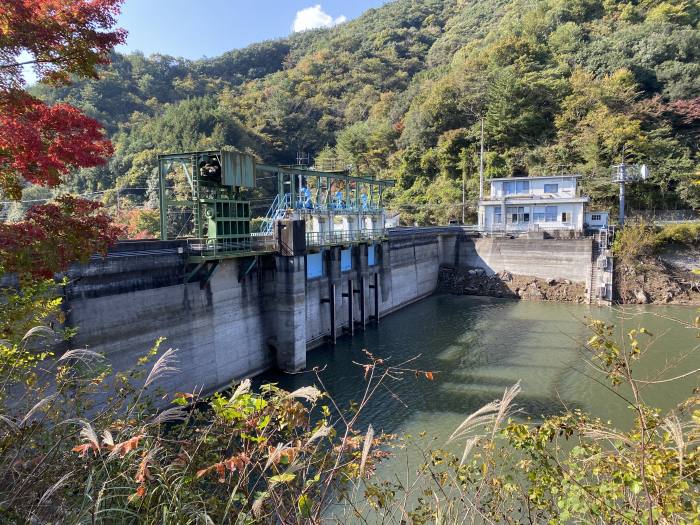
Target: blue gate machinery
(202,200)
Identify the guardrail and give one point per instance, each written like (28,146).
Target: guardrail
(666,216)
(340,209)
(343,237)
(259,243)
(530,227)
(222,247)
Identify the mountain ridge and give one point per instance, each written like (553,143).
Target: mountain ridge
(399,92)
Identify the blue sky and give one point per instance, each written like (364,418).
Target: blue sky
(198,28)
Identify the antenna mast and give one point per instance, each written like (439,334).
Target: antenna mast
(622,174)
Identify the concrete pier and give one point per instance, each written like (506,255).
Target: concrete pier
(289,306)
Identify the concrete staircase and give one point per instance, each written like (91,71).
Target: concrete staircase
(601,245)
(595,271)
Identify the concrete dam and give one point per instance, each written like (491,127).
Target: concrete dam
(245,315)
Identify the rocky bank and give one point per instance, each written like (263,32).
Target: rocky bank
(476,281)
(666,278)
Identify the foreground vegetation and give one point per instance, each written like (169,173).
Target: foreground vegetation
(640,238)
(81,443)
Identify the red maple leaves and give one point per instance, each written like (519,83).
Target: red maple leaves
(64,37)
(688,111)
(54,235)
(40,143)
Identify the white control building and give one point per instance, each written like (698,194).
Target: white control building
(522,204)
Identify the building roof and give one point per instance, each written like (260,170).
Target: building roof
(536,178)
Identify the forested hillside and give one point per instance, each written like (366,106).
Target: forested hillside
(563,86)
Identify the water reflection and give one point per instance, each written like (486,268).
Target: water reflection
(478,347)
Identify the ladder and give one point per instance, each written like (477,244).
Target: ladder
(277,211)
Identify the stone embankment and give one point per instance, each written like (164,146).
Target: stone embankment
(664,279)
(476,281)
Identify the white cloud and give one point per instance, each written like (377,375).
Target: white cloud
(315,17)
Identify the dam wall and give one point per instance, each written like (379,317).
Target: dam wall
(251,314)
(242,316)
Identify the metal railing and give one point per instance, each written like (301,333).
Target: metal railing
(221,247)
(260,243)
(530,227)
(337,208)
(666,216)
(532,195)
(277,211)
(329,238)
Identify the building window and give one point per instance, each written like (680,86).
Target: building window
(512,214)
(596,217)
(551,188)
(516,187)
(497,216)
(550,214)
(517,214)
(564,216)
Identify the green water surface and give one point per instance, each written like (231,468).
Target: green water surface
(479,346)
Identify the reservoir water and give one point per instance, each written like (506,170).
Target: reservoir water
(479,346)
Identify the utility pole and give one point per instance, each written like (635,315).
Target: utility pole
(480,215)
(464,199)
(623,179)
(464,182)
(481,163)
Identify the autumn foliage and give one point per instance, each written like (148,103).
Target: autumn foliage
(42,144)
(65,37)
(54,235)
(139,223)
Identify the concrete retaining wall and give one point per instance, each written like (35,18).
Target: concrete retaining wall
(547,259)
(220,331)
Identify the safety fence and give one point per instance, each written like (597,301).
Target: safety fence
(329,238)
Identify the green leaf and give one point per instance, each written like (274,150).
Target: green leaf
(264,422)
(285,477)
(304,505)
